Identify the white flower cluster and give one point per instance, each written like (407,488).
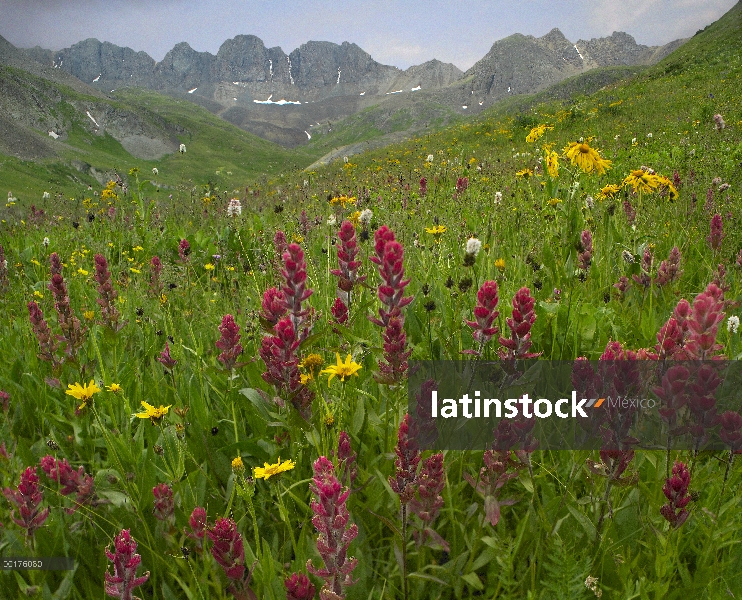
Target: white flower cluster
(234,209)
(46,242)
(332,221)
(473,246)
(498,197)
(46,196)
(155,171)
(366,216)
(429,159)
(733,324)
(182,149)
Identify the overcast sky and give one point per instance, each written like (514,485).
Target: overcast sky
(394,32)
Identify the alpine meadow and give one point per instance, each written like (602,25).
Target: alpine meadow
(207,337)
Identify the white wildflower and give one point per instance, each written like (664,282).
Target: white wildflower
(498,197)
(235,208)
(649,135)
(590,202)
(155,171)
(366,216)
(46,242)
(627,257)
(473,246)
(633,140)
(46,196)
(345,159)
(182,149)
(332,221)
(733,324)
(430,158)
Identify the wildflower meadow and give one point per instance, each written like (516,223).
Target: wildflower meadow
(204,393)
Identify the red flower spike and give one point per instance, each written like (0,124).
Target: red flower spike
(125,562)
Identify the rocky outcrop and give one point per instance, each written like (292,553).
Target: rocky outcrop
(183,68)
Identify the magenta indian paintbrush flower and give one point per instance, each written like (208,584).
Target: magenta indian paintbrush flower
(295,290)
(669,270)
(731,430)
(228,549)
(423,186)
(164,502)
(168,361)
(485,313)
(47,344)
(717,232)
(197,523)
(584,258)
(27,499)
(347,255)
(389,258)
(523,318)
(274,306)
(184,249)
(229,343)
(71,481)
(72,332)
(339,311)
(346,461)
(107,295)
(676,492)
(428,502)
(407,461)
(125,562)
(336,532)
(644,279)
(298,587)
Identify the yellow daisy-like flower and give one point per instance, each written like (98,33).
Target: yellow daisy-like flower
(238,466)
(83,272)
(344,200)
(342,369)
(269,471)
(642,181)
(555,201)
(355,218)
(500,264)
(115,388)
(587,158)
(537,132)
(305,378)
(152,413)
(609,191)
(89,315)
(38,294)
(209,267)
(436,230)
(524,173)
(82,392)
(666,184)
(552,164)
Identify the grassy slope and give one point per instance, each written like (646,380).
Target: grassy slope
(213,145)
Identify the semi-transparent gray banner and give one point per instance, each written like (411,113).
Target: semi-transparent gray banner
(576,405)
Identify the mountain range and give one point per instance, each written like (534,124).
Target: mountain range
(285,97)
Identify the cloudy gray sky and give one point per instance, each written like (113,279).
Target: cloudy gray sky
(395,32)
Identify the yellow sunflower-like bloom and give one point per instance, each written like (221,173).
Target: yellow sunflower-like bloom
(525,173)
(552,164)
(586,158)
(83,392)
(269,471)
(642,181)
(537,132)
(342,369)
(666,184)
(114,387)
(608,191)
(311,362)
(237,466)
(152,413)
(436,229)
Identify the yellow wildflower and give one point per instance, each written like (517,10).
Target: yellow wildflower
(537,132)
(89,315)
(609,191)
(500,264)
(342,369)
(311,362)
(238,467)
(82,272)
(268,471)
(306,378)
(152,413)
(436,230)
(38,294)
(35,262)
(163,299)
(114,387)
(133,270)
(82,392)
(642,181)
(587,158)
(525,173)
(209,267)
(555,201)
(552,164)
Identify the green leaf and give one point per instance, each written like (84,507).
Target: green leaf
(586,523)
(473,580)
(358,417)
